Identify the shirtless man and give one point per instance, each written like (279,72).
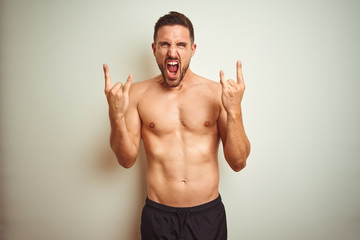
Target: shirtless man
(181,118)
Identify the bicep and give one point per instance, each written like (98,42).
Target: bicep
(133,122)
(222,123)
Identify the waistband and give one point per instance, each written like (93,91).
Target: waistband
(193,209)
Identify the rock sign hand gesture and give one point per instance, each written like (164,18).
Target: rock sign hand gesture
(232,92)
(117,95)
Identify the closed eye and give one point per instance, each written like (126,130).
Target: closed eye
(164,44)
(181,45)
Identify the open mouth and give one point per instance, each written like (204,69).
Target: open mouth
(172,67)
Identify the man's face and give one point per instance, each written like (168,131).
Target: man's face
(173,50)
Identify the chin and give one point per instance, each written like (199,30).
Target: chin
(173,83)
(170,83)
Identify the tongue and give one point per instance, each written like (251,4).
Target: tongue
(172,68)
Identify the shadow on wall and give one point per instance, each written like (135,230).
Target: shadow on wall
(109,166)
(146,62)
(2,200)
(142,191)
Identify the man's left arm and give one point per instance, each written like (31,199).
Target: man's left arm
(235,142)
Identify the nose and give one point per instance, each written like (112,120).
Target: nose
(172,52)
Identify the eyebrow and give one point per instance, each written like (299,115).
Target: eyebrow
(184,43)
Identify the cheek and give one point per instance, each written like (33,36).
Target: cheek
(186,55)
(160,54)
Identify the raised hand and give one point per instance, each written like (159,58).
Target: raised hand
(232,92)
(117,95)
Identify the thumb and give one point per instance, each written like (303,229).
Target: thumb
(128,84)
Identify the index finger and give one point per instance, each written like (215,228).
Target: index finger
(108,82)
(222,77)
(240,78)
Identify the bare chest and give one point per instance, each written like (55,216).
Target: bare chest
(166,113)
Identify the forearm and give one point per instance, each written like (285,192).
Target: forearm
(237,145)
(122,144)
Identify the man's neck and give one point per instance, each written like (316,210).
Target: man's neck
(188,78)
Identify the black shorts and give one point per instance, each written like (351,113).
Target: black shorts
(203,222)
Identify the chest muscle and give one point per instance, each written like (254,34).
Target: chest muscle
(170,113)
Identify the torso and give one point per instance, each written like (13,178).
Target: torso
(181,138)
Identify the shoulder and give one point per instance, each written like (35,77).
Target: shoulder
(208,85)
(140,88)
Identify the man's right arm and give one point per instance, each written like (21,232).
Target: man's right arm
(124,120)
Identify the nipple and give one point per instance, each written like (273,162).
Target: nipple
(206,123)
(183,123)
(152,125)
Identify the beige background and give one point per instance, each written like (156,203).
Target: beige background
(59,178)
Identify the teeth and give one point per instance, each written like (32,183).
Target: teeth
(172,63)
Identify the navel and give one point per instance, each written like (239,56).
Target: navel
(152,125)
(206,123)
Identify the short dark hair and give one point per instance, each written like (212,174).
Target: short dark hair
(174,18)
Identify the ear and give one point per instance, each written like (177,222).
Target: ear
(153,46)
(193,48)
